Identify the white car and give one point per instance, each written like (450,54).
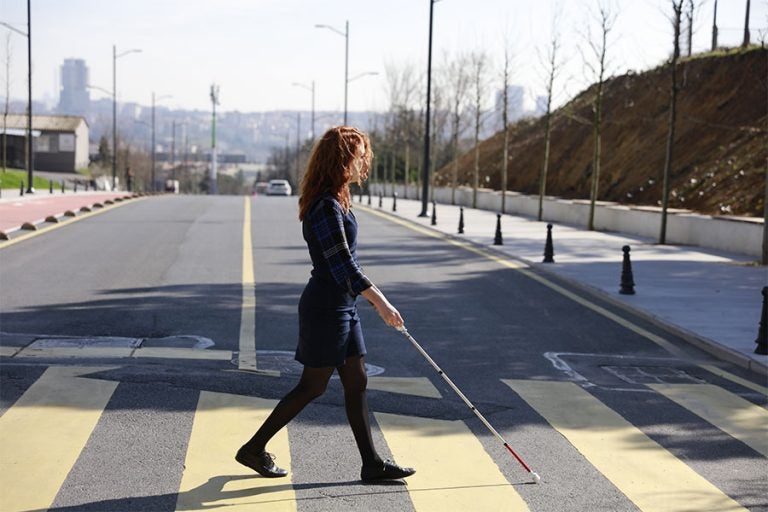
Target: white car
(278,188)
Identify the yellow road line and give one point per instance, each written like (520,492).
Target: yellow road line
(732,414)
(416,386)
(212,478)
(453,471)
(733,378)
(649,475)
(43,434)
(247,357)
(524,269)
(47,229)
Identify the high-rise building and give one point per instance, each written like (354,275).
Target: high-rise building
(73,96)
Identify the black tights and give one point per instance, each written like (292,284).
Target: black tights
(311,385)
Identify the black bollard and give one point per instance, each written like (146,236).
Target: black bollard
(21,189)
(394,201)
(86,186)
(549,250)
(461,220)
(627,280)
(434,214)
(380,199)
(75,188)
(50,187)
(62,186)
(497,240)
(360,200)
(369,196)
(762,333)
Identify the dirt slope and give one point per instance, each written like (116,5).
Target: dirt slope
(721,145)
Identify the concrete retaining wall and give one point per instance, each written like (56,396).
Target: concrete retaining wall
(733,234)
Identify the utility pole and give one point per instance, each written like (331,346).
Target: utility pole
(425,168)
(714,28)
(30,151)
(212,187)
(745,43)
(173,149)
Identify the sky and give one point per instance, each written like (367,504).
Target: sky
(256,49)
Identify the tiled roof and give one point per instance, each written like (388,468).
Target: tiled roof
(58,123)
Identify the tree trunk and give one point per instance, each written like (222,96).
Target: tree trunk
(671,132)
(596,155)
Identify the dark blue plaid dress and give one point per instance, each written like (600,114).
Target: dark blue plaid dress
(329,327)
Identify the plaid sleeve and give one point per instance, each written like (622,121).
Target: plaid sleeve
(327,225)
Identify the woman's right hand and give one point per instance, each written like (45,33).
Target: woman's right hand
(386,311)
(390,315)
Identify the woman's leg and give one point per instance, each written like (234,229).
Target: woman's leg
(311,385)
(355,381)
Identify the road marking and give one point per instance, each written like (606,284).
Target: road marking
(247,357)
(453,470)
(523,269)
(649,475)
(32,234)
(44,433)
(733,378)
(212,478)
(732,414)
(416,386)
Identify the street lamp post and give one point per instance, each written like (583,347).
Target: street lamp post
(312,90)
(212,185)
(30,151)
(116,56)
(425,169)
(154,101)
(344,34)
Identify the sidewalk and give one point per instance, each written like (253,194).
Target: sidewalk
(712,299)
(16,210)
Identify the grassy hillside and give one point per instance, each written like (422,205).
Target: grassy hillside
(721,145)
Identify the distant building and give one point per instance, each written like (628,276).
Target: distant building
(541,105)
(73,96)
(515,96)
(60,142)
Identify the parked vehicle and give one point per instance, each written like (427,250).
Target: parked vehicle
(278,188)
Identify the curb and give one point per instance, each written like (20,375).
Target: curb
(56,219)
(712,347)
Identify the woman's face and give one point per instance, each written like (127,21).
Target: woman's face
(357,164)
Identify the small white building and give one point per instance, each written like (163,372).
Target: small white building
(60,142)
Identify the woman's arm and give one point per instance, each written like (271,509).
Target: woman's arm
(386,311)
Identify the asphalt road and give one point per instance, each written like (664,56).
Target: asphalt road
(171,267)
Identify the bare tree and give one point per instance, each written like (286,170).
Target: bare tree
(553,69)
(677,8)
(691,5)
(458,85)
(479,65)
(598,69)
(7,62)
(505,76)
(765,199)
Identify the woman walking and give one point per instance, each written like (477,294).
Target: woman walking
(330,336)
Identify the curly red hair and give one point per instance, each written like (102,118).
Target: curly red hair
(329,169)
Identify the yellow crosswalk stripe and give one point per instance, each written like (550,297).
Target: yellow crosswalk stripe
(453,470)
(212,478)
(730,413)
(416,386)
(648,474)
(733,378)
(44,432)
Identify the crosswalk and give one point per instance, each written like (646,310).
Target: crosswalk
(44,432)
